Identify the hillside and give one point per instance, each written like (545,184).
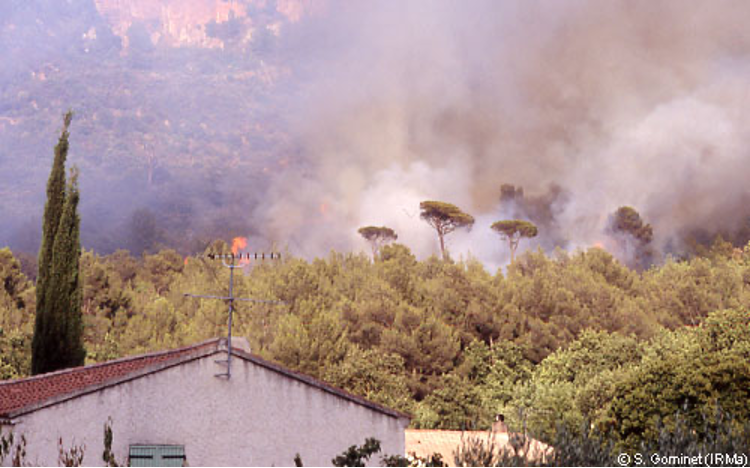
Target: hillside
(296,123)
(172,101)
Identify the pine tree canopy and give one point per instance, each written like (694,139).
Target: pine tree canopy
(515,228)
(446,215)
(374,232)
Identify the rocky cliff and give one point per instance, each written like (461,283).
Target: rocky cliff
(199,22)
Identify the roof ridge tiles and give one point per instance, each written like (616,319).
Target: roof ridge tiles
(149,355)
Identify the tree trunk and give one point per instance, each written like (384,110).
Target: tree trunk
(513,247)
(442,244)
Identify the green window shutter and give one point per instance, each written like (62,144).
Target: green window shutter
(157,455)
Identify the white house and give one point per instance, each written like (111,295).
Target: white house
(171,408)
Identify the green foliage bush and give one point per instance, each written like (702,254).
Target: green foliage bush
(587,445)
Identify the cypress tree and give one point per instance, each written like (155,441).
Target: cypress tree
(57,341)
(65,293)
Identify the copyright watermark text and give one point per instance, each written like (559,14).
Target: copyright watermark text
(709,459)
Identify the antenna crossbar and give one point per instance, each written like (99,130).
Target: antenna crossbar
(245,256)
(228,298)
(231,298)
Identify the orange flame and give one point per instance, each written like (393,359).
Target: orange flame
(599,245)
(186,260)
(238,243)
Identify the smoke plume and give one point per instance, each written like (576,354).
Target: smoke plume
(587,105)
(295,122)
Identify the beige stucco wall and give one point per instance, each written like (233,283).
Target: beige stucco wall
(259,417)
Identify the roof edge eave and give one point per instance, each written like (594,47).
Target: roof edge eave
(150,369)
(321,385)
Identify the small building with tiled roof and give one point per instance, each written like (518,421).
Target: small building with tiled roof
(175,407)
(424,443)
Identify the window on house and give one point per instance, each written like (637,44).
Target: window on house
(157,455)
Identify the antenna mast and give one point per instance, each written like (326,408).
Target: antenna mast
(230,298)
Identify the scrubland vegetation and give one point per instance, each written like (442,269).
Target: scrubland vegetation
(572,339)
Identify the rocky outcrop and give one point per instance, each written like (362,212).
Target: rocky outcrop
(194,23)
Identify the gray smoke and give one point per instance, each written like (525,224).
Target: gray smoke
(302,130)
(636,103)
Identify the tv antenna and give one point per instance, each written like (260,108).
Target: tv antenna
(228,260)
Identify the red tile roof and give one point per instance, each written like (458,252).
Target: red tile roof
(29,392)
(21,396)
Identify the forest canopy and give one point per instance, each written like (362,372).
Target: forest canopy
(571,337)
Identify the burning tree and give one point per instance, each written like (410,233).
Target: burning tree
(377,237)
(445,218)
(513,231)
(626,220)
(510,194)
(633,235)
